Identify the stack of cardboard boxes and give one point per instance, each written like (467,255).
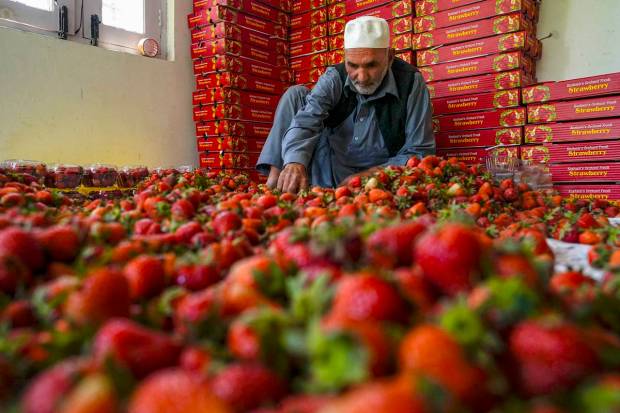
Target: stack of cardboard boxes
(475,56)
(574,126)
(240,59)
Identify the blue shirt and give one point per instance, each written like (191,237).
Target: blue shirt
(333,154)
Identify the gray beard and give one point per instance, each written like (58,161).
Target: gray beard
(369,90)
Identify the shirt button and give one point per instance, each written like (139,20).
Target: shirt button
(356,138)
(361,119)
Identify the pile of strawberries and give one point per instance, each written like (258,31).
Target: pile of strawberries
(425,288)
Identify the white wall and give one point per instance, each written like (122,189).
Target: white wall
(585,38)
(63,101)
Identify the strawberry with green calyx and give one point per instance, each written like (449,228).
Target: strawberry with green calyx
(392,246)
(574,289)
(146,276)
(95,393)
(599,255)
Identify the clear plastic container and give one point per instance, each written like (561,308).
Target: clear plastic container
(65,176)
(33,168)
(130,176)
(100,176)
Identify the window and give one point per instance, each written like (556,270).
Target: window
(122,23)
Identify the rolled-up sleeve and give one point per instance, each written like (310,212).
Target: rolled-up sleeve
(419,136)
(302,136)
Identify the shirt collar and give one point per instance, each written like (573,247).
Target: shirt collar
(387,86)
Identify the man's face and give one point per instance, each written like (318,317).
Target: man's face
(367,68)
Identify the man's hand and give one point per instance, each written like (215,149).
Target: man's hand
(293,178)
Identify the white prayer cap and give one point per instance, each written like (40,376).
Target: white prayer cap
(367,32)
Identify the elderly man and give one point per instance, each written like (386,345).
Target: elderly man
(371,111)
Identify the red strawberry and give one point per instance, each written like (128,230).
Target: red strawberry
(393,246)
(573,288)
(141,350)
(197,277)
(182,210)
(413,286)
(225,222)
(104,294)
(195,359)
(449,257)
(47,389)
(61,242)
(365,297)
(93,394)
(13,272)
(175,391)
(248,386)
(194,308)
(146,276)
(550,355)
(20,244)
(18,314)
(243,342)
(304,403)
(186,232)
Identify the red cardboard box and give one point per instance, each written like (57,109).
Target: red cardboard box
(472,156)
(217,14)
(399,41)
(240,81)
(303,77)
(234,96)
(306,33)
(478,66)
(229,111)
(407,56)
(230,143)
(424,7)
(313,60)
(320,44)
(399,23)
(573,89)
(310,18)
(480,120)
(479,84)
(301,6)
(610,192)
(483,137)
(586,172)
(241,65)
(234,32)
(228,127)
(284,5)
(253,7)
(473,103)
(210,48)
(473,12)
(591,130)
(481,47)
(603,107)
(348,7)
(574,152)
(509,23)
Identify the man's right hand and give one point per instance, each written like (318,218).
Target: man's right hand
(293,178)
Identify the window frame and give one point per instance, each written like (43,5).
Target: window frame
(37,20)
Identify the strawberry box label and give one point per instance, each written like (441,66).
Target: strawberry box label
(473,12)
(584,151)
(310,18)
(241,65)
(303,34)
(229,127)
(240,81)
(312,60)
(209,48)
(397,17)
(234,96)
(240,34)
(230,111)
(301,6)
(573,89)
(476,30)
(590,191)
(473,103)
(480,120)
(478,84)
(472,156)
(424,7)
(348,7)
(309,76)
(490,45)
(573,131)
(217,14)
(483,137)
(253,7)
(586,172)
(477,66)
(574,110)
(312,46)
